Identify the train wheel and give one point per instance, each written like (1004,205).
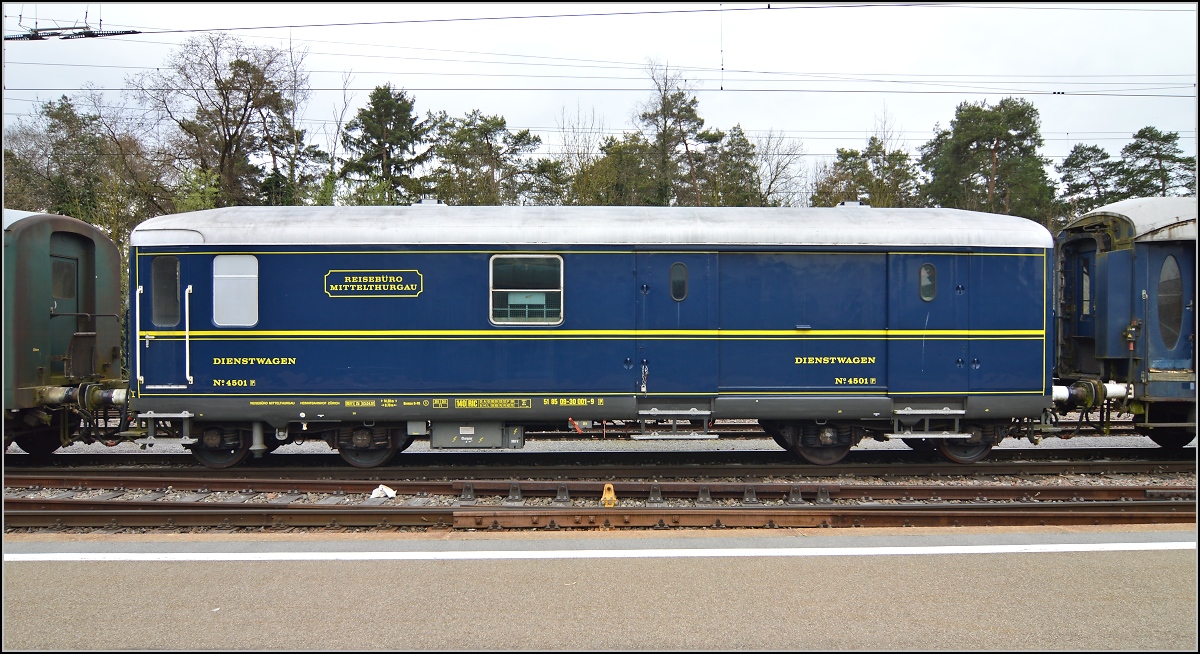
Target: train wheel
(403,439)
(221,448)
(43,445)
(921,445)
(1169,439)
(367,458)
(966,450)
(220,457)
(823,456)
(773,430)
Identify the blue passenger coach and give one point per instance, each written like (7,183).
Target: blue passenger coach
(369,326)
(1127,300)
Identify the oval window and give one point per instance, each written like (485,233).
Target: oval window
(678,282)
(1170,302)
(928,282)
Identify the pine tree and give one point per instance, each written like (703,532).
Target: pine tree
(1154,165)
(388,145)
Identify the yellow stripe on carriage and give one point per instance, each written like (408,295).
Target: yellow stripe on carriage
(609,333)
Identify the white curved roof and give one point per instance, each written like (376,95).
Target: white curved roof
(12,215)
(1154,219)
(445,225)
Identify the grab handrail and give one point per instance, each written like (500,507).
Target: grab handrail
(187,333)
(137,332)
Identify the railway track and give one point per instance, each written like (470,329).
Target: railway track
(36,500)
(562,490)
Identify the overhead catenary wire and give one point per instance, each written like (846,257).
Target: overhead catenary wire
(664,12)
(826,77)
(463,89)
(1150,85)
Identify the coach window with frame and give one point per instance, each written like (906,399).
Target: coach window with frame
(235,290)
(1170,302)
(679,282)
(1085,289)
(526,289)
(62,279)
(164,291)
(927,284)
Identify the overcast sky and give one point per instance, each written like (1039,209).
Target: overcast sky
(824,73)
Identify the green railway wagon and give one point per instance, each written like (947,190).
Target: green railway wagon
(62,332)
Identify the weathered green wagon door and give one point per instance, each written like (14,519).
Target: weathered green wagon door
(70,262)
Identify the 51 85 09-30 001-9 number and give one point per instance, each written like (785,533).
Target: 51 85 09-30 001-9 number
(233,382)
(854,380)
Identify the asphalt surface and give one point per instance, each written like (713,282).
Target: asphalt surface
(851,596)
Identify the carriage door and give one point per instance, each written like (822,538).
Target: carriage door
(72,306)
(1085,305)
(66,253)
(1008,322)
(928,320)
(676,324)
(1077,307)
(163,308)
(1171,308)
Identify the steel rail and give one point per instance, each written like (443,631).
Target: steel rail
(868,515)
(748,492)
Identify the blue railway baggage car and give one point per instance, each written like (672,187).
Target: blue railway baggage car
(370,326)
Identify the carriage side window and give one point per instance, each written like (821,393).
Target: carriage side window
(1170,302)
(928,282)
(235,290)
(164,291)
(679,281)
(526,289)
(1085,288)
(62,279)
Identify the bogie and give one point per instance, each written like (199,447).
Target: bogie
(368,447)
(221,447)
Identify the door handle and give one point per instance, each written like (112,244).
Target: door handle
(137,332)
(187,333)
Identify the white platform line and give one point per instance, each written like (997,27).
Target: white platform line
(741,552)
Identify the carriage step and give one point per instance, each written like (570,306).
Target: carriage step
(672,436)
(923,434)
(945,411)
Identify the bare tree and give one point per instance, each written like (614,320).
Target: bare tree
(327,194)
(781,173)
(212,90)
(582,137)
(333,140)
(142,177)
